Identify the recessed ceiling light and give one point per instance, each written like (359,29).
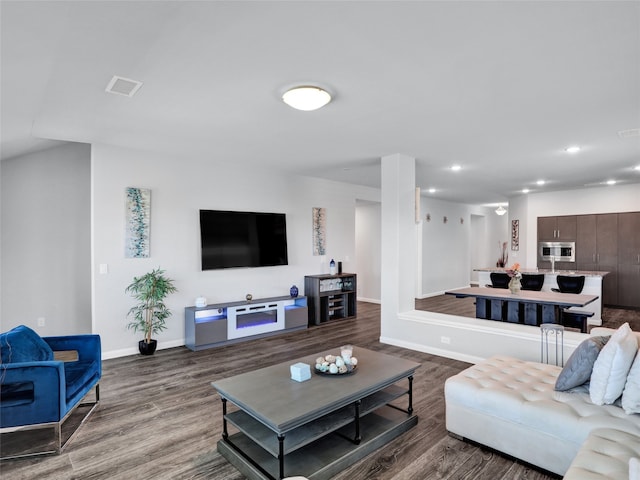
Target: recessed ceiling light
(572,149)
(432,190)
(540,182)
(611,182)
(456,168)
(525,190)
(637,167)
(123,86)
(306,98)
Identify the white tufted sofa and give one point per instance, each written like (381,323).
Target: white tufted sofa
(511,405)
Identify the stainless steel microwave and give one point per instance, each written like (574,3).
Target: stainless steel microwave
(561,251)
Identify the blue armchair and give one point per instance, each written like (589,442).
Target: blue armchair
(37,391)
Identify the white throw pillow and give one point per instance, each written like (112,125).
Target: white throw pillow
(612,366)
(634,469)
(631,393)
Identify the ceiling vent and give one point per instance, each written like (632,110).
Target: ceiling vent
(123,86)
(634,132)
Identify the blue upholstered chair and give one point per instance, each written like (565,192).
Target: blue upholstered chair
(37,391)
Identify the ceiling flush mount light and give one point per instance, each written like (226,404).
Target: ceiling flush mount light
(306,98)
(456,168)
(637,168)
(525,190)
(611,182)
(540,182)
(432,190)
(572,149)
(501,210)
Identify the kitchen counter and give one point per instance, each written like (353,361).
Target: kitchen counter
(546,271)
(592,285)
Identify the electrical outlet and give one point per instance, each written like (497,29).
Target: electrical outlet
(41,321)
(445,340)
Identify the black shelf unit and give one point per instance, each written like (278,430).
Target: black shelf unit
(330,297)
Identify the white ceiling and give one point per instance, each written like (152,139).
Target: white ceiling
(500,88)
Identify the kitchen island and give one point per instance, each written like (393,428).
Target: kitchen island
(592,285)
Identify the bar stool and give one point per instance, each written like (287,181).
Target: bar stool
(572,318)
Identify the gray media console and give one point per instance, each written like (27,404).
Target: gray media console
(225,323)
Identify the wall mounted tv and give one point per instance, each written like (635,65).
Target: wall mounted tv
(242,239)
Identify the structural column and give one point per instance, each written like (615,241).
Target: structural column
(398,239)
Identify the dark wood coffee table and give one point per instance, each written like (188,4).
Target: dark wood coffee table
(318,427)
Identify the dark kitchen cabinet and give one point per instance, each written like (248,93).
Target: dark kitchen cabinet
(557,229)
(597,250)
(629,259)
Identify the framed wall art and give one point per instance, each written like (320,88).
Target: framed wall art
(137,219)
(515,235)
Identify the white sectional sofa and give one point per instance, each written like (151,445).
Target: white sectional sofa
(511,405)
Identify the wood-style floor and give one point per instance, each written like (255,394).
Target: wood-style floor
(160,418)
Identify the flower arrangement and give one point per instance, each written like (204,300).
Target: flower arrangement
(514,271)
(504,255)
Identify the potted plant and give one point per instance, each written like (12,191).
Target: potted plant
(149,315)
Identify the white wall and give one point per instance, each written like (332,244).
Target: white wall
(46,261)
(447,246)
(368,250)
(179,188)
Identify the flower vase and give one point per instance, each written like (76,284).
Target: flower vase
(515,285)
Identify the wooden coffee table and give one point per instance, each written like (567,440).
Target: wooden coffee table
(318,427)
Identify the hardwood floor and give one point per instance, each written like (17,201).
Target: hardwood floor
(160,418)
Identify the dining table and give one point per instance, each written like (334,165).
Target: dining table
(526,306)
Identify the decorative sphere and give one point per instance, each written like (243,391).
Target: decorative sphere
(333,368)
(354,361)
(339,362)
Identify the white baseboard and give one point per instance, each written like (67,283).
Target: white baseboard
(369,300)
(431,350)
(125,352)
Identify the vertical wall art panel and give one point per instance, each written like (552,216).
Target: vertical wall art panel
(515,235)
(319,231)
(138,215)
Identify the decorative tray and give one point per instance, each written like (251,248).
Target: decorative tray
(338,374)
(336,365)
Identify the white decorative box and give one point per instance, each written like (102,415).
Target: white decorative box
(300,372)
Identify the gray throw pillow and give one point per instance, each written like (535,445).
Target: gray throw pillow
(577,370)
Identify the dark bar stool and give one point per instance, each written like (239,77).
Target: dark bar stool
(529,313)
(498,307)
(532,281)
(499,280)
(572,318)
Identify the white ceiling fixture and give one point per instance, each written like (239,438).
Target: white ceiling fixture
(525,190)
(611,182)
(123,86)
(540,182)
(632,132)
(572,149)
(501,210)
(637,167)
(456,168)
(433,190)
(306,97)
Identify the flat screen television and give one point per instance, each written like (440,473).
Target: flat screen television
(242,239)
